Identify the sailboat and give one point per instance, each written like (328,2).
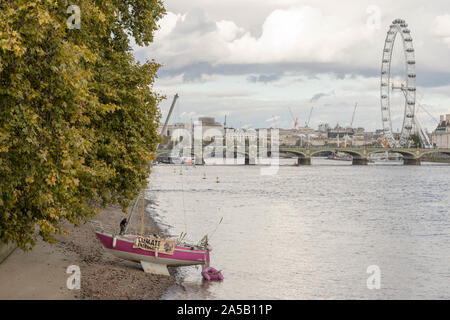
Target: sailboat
(153,253)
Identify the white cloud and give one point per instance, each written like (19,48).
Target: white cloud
(273,119)
(441,28)
(228,30)
(307,34)
(167,24)
(307,47)
(297,34)
(441,25)
(189,38)
(301,34)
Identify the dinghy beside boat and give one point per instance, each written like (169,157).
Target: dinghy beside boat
(210,273)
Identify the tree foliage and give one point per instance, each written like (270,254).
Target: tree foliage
(415,141)
(78,117)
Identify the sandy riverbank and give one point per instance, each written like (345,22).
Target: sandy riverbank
(41,273)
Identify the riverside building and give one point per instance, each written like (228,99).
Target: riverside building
(441,136)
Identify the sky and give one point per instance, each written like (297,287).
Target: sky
(254,60)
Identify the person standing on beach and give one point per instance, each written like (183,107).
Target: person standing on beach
(123,225)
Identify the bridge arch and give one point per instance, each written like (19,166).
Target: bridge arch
(354,154)
(406,154)
(293,152)
(431,151)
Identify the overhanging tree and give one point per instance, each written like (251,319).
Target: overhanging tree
(78,117)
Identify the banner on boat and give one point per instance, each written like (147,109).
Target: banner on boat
(154,244)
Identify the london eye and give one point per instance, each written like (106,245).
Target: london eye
(398,29)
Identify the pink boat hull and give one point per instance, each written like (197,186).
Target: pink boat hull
(122,247)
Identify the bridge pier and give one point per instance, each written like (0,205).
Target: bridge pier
(304,161)
(411,162)
(360,162)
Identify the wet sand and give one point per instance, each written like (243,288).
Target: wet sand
(41,273)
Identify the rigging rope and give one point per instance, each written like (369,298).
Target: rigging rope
(182,197)
(212,234)
(182,182)
(131,213)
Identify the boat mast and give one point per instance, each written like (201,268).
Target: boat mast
(142,212)
(157,146)
(131,214)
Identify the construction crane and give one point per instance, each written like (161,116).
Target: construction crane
(309,118)
(353,116)
(351,124)
(163,130)
(293,119)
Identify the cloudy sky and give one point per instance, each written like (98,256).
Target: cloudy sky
(252,60)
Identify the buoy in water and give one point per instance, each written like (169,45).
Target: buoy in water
(204,175)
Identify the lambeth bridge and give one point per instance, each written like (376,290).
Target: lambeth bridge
(359,155)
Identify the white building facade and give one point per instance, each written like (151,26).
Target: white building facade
(441,136)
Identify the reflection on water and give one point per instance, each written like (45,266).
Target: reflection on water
(311,232)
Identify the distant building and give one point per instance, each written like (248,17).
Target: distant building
(340,132)
(324,127)
(441,136)
(299,136)
(240,134)
(288,137)
(172,127)
(379,132)
(304,130)
(209,122)
(210,127)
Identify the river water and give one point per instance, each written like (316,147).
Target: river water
(311,232)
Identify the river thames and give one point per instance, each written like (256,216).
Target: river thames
(310,232)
